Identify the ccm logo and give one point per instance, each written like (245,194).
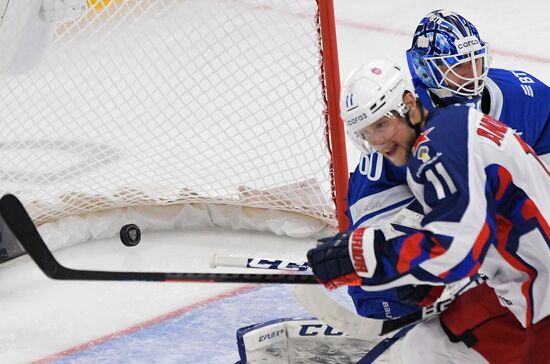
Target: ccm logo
(318,329)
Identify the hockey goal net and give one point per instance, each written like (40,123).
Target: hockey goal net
(173,102)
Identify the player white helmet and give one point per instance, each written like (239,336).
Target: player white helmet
(369,93)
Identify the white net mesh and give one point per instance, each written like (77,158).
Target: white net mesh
(148,102)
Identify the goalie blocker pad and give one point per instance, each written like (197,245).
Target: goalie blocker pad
(298,340)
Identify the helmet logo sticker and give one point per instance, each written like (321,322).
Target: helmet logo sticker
(423,42)
(467,44)
(376,70)
(436,19)
(349,102)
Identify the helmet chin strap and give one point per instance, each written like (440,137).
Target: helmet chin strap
(418,125)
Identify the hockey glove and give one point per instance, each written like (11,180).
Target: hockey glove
(331,261)
(422,295)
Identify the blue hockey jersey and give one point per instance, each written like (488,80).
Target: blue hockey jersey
(377,189)
(485,195)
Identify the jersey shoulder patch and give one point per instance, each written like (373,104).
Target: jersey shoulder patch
(444,128)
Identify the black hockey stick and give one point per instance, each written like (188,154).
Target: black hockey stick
(14,217)
(257,263)
(20,224)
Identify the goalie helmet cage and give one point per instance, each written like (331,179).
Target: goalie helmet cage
(148,103)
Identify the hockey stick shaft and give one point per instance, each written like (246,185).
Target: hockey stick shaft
(257,263)
(18,221)
(430,311)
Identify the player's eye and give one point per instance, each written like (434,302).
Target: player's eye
(382,124)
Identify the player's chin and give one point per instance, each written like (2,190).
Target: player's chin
(398,158)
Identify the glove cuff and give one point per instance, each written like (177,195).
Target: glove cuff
(350,279)
(361,251)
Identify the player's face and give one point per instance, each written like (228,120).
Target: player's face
(392,137)
(463,75)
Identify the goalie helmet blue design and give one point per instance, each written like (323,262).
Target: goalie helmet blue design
(448,55)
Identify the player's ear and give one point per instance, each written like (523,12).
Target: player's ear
(410,100)
(416,113)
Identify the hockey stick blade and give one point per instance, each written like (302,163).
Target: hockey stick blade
(326,309)
(18,221)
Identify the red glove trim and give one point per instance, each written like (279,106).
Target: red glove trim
(350,279)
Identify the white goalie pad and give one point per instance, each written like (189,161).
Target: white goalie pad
(63,10)
(298,341)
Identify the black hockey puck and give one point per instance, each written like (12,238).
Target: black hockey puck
(130,235)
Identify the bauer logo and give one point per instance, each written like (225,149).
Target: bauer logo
(468,44)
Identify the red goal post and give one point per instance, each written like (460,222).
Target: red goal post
(337,136)
(171,103)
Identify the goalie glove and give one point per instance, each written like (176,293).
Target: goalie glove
(337,260)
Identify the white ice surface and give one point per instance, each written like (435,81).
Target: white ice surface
(42,317)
